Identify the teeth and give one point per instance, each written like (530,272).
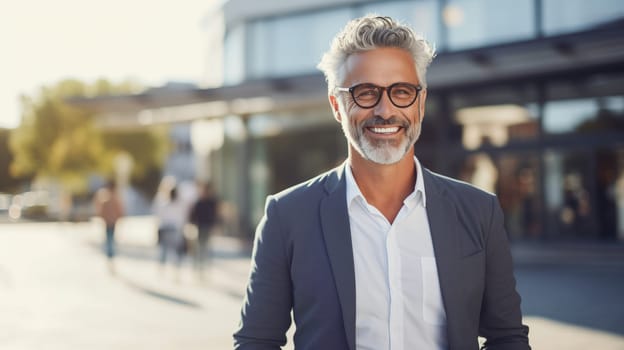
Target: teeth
(385,130)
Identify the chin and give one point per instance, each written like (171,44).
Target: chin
(383,154)
(385,159)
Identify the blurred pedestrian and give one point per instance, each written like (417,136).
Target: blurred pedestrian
(204,216)
(161,198)
(171,217)
(381,253)
(109,207)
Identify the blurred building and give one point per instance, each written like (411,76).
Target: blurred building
(526,99)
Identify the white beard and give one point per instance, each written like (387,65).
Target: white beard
(384,151)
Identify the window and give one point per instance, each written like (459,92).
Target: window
(496,116)
(584,115)
(234,49)
(561,16)
(292,45)
(474,23)
(259,60)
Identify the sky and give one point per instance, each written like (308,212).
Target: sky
(149,41)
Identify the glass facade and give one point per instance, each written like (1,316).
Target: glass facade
(554,158)
(293,44)
(515,178)
(583,165)
(287,158)
(551,148)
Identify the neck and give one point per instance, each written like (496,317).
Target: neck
(385,186)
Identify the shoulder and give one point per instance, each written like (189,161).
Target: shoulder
(465,197)
(304,199)
(295,208)
(473,208)
(308,190)
(455,187)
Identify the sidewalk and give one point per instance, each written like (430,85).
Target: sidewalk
(571,293)
(59,294)
(225,273)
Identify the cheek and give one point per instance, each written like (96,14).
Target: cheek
(412,116)
(346,109)
(351,107)
(354,114)
(416,115)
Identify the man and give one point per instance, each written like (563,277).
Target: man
(381,253)
(204,217)
(109,207)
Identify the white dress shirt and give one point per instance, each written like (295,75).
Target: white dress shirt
(398,300)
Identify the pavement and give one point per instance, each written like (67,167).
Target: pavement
(572,293)
(58,292)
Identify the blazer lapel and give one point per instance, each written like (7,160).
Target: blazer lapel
(442,221)
(337,235)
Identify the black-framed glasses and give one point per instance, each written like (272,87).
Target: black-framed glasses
(368,95)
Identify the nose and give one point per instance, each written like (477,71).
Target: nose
(384,108)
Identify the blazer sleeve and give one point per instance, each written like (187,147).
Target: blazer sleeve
(265,315)
(501,317)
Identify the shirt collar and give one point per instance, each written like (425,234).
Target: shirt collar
(419,188)
(353,191)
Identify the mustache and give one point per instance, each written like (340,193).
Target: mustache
(377,121)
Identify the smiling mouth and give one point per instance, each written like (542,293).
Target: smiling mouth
(384,130)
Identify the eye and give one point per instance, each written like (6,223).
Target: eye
(366,92)
(403,91)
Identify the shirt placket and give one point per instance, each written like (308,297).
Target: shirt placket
(395,287)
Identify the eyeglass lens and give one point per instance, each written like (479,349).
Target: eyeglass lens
(368,95)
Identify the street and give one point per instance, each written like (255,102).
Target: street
(572,295)
(57,292)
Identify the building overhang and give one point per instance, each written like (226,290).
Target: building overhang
(568,55)
(248,98)
(600,49)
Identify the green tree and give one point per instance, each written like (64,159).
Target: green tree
(147,148)
(59,141)
(8,182)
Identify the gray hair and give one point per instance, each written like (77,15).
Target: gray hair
(372,32)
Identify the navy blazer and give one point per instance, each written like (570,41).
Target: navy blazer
(303,262)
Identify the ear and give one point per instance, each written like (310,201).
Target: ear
(333,101)
(422,98)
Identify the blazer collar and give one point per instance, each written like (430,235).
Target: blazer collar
(335,178)
(337,235)
(443,223)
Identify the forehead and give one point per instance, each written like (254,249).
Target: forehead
(383,66)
